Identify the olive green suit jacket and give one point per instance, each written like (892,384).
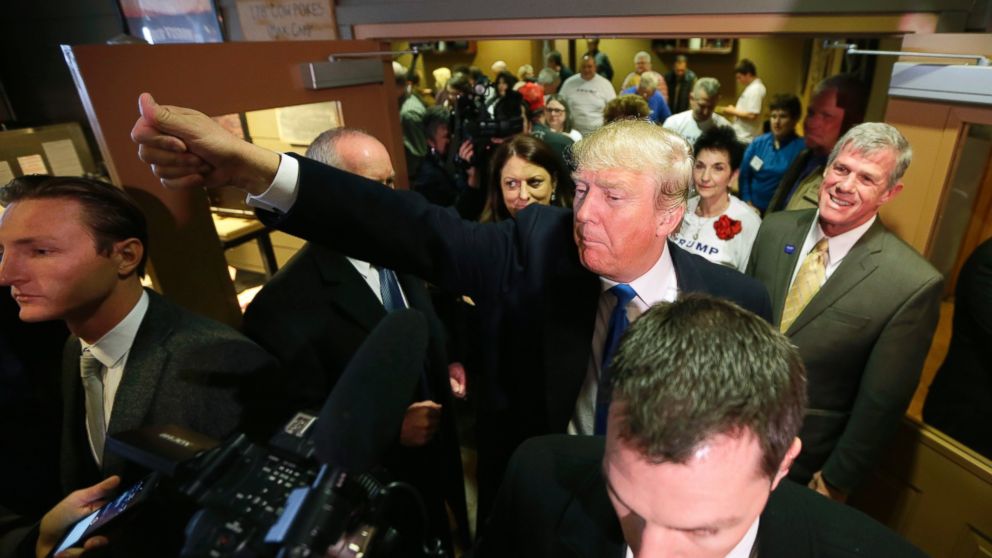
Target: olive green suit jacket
(863,338)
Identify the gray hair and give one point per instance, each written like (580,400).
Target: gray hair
(870,138)
(644,148)
(547,76)
(709,85)
(649,81)
(640,55)
(323,149)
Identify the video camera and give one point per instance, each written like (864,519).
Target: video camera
(312,491)
(471,120)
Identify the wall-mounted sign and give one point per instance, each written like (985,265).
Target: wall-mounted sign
(287,20)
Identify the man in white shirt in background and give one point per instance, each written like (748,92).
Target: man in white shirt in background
(747,111)
(700,117)
(587,93)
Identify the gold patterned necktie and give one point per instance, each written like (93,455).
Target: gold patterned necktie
(89,368)
(808,281)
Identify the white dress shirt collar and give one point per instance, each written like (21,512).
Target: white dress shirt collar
(115,344)
(840,245)
(657,285)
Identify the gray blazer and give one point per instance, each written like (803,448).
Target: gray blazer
(863,337)
(182,369)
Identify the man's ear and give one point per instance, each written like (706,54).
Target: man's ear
(790,456)
(129,253)
(890,193)
(669,220)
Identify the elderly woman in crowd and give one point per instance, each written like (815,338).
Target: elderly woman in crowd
(529,172)
(769,155)
(717,225)
(559,117)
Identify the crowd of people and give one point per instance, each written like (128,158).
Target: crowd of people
(651,364)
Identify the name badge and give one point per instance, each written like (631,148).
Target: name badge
(756,163)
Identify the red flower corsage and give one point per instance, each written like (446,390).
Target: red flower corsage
(726,228)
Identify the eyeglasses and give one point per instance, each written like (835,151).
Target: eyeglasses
(556,110)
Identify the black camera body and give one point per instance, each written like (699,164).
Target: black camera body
(317,488)
(471,120)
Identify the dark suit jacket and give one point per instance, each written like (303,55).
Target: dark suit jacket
(182,369)
(863,337)
(554,503)
(536,302)
(313,315)
(959,402)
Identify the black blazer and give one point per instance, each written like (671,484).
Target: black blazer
(554,503)
(537,302)
(313,315)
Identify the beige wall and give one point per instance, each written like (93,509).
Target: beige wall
(781,63)
(514,52)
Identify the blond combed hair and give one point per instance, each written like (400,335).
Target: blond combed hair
(644,148)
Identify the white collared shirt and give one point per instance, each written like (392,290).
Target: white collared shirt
(837,246)
(657,285)
(743,548)
(280,197)
(112,351)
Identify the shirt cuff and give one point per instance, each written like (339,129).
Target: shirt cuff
(281,194)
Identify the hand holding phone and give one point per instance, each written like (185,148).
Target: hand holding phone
(96,513)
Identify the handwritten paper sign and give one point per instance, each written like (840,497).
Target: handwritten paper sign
(287,20)
(301,124)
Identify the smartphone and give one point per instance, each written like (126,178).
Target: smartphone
(111,513)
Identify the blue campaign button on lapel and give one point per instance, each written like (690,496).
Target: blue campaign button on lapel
(789,249)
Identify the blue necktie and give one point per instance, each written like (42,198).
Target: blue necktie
(392,298)
(618,324)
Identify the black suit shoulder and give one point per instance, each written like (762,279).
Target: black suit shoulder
(800,522)
(697,274)
(199,343)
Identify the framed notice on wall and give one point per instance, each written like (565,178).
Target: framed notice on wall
(287,20)
(172,21)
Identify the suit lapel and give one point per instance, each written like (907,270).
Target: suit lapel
(146,361)
(347,290)
(787,252)
(859,263)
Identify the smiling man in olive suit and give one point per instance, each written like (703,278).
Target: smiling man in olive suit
(859,303)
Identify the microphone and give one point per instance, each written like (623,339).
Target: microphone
(360,419)
(357,426)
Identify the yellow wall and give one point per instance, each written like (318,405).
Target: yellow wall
(515,53)
(781,63)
